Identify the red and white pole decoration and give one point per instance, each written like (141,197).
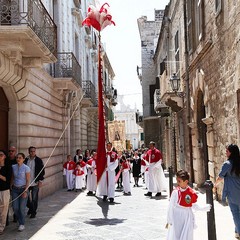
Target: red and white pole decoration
(99,19)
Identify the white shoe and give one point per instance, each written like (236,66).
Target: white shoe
(21,228)
(237,235)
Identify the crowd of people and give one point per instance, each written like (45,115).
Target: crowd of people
(80,172)
(20,180)
(147,164)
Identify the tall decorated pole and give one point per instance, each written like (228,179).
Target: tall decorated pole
(101,150)
(99,19)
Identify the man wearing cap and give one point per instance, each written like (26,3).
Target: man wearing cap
(157,180)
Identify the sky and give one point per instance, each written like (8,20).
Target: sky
(123,45)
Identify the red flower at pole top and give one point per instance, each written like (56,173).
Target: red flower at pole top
(98,19)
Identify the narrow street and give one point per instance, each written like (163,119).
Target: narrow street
(88,217)
(70,215)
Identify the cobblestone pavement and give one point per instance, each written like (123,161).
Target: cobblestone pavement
(71,216)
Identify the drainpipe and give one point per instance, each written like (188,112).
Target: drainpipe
(188,96)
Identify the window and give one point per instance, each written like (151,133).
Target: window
(162,67)
(199,21)
(77,3)
(189,25)
(195,23)
(176,42)
(218,6)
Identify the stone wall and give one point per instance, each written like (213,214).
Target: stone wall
(213,72)
(149,31)
(214,85)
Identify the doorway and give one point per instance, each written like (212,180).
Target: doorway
(202,139)
(4,107)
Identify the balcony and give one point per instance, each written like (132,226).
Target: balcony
(28,29)
(167,96)
(160,107)
(108,92)
(67,72)
(90,97)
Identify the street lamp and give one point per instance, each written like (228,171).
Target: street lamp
(175,84)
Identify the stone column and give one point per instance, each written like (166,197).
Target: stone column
(210,143)
(195,152)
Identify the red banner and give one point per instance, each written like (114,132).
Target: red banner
(101,150)
(99,19)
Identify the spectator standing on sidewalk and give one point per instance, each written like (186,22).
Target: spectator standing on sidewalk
(180,219)
(11,159)
(20,183)
(230,172)
(5,178)
(36,178)
(157,181)
(12,151)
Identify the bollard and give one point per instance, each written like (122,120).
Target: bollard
(170,172)
(208,185)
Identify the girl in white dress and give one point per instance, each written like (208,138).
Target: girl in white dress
(183,201)
(79,178)
(126,176)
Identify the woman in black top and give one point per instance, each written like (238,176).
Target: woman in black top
(5,178)
(87,155)
(136,168)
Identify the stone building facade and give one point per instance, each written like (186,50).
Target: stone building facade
(134,133)
(199,44)
(48,81)
(149,32)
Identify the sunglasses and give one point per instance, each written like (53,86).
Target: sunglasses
(11,151)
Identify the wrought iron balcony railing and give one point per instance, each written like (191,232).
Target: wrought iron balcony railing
(89,91)
(33,14)
(67,66)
